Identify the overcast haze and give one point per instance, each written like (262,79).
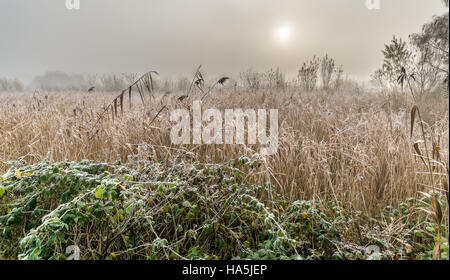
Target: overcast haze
(174,36)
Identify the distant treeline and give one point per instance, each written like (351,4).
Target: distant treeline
(250,79)
(11,85)
(61,81)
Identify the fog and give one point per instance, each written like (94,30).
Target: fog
(174,36)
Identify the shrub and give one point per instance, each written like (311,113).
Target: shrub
(149,210)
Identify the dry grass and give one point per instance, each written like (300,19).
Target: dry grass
(353,148)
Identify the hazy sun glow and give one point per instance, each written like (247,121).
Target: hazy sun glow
(283,33)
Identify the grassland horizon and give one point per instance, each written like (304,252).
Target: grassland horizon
(100,162)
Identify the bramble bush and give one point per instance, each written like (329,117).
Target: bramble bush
(151,210)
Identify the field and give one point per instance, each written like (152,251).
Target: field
(347,175)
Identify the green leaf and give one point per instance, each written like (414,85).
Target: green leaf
(186,203)
(51,240)
(2,190)
(31,204)
(35,253)
(65,196)
(99,192)
(61,237)
(179,228)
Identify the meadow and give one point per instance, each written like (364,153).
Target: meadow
(354,168)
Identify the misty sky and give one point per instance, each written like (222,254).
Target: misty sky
(174,36)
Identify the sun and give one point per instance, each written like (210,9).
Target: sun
(283,33)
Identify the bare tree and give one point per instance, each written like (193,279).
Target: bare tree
(432,45)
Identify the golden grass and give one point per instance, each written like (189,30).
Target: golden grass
(353,148)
